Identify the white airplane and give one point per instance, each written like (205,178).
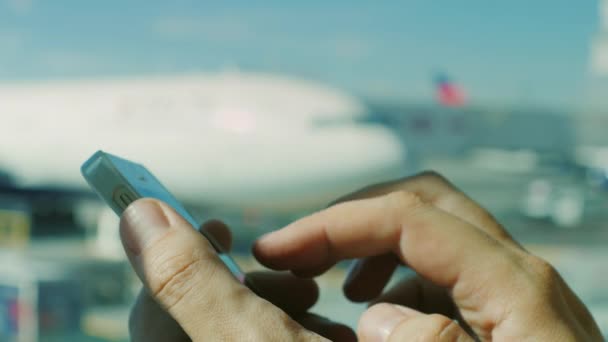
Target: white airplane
(242,140)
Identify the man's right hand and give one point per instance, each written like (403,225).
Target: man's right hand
(474,281)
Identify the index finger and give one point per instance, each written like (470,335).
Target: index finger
(436,244)
(440,192)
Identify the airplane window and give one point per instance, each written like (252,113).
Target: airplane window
(260,113)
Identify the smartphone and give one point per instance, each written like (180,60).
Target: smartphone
(119,182)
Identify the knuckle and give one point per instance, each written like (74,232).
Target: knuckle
(434,176)
(505,263)
(536,281)
(499,269)
(171,271)
(176,282)
(544,273)
(404,200)
(485,217)
(441,328)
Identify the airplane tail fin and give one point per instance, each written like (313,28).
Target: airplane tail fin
(449,94)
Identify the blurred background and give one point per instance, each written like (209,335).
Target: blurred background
(257,113)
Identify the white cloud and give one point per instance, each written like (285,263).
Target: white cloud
(20,6)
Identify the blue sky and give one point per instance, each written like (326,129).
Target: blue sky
(503,52)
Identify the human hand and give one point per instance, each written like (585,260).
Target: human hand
(189,294)
(474,281)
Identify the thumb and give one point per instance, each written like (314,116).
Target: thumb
(388,322)
(182,272)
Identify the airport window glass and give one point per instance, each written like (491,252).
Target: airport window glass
(260,113)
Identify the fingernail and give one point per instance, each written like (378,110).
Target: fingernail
(378,324)
(263,237)
(142,223)
(267,238)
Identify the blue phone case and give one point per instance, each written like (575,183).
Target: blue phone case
(119,182)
